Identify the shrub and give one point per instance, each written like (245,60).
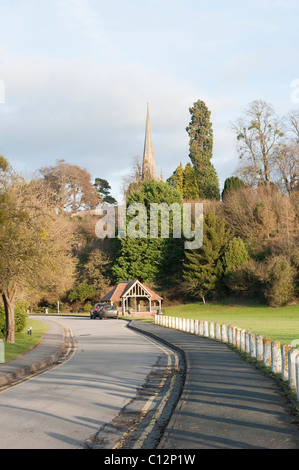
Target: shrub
(20,318)
(280,282)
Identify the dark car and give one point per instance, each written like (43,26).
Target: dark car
(109,311)
(96,311)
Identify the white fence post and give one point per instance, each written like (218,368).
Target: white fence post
(259,348)
(285,361)
(276,357)
(297,376)
(238,338)
(293,353)
(252,345)
(247,341)
(267,352)
(205,329)
(242,340)
(200,328)
(234,330)
(196,327)
(230,334)
(223,333)
(211,330)
(217,332)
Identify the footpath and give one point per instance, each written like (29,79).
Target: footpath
(44,355)
(226,402)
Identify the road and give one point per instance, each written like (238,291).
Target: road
(68,406)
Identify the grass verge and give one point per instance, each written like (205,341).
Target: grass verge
(23,341)
(280,323)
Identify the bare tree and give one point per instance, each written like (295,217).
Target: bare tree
(263,217)
(286,166)
(134,177)
(71,186)
(258,134)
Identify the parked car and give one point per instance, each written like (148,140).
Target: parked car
(96,311)
(109,311)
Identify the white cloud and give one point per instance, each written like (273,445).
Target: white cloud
(81,14)
(92,114)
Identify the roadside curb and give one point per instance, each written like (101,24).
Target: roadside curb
(182,353)
(41,357)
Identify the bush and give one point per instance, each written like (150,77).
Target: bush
(245,279)
(20,318)
(87,307)
(280,282)
(82,292)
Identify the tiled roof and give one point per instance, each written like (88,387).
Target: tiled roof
(119,291)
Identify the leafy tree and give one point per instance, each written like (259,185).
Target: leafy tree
(201,150)
(35,244)
(96,271)
(150,259)
(280,281)
(103,189)
(82,292)
(4,164)
(204,268)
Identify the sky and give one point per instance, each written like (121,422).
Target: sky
(76,77)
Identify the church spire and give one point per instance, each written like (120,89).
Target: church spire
(149,170)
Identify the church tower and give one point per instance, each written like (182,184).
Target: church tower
(149,170)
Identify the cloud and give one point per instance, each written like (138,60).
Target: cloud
(91,113)
(82,14)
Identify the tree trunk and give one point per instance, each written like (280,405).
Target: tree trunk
(9,305)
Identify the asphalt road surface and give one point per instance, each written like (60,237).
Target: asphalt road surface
(68,405)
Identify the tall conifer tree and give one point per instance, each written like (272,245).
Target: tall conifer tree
(203,268)
(201,150)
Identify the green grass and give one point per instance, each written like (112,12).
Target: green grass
(280,323)
(23,341)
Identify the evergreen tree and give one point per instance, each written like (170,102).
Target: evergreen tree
(203,268)
(235,254)
(232,183)
(147,258)
(180,178)
(201,150)
(103,189)
(190,186)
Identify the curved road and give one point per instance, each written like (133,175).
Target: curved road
(67,406)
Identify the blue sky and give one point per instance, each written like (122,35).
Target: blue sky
(79,73)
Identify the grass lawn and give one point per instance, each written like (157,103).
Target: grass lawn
(280,323)
(23,341)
